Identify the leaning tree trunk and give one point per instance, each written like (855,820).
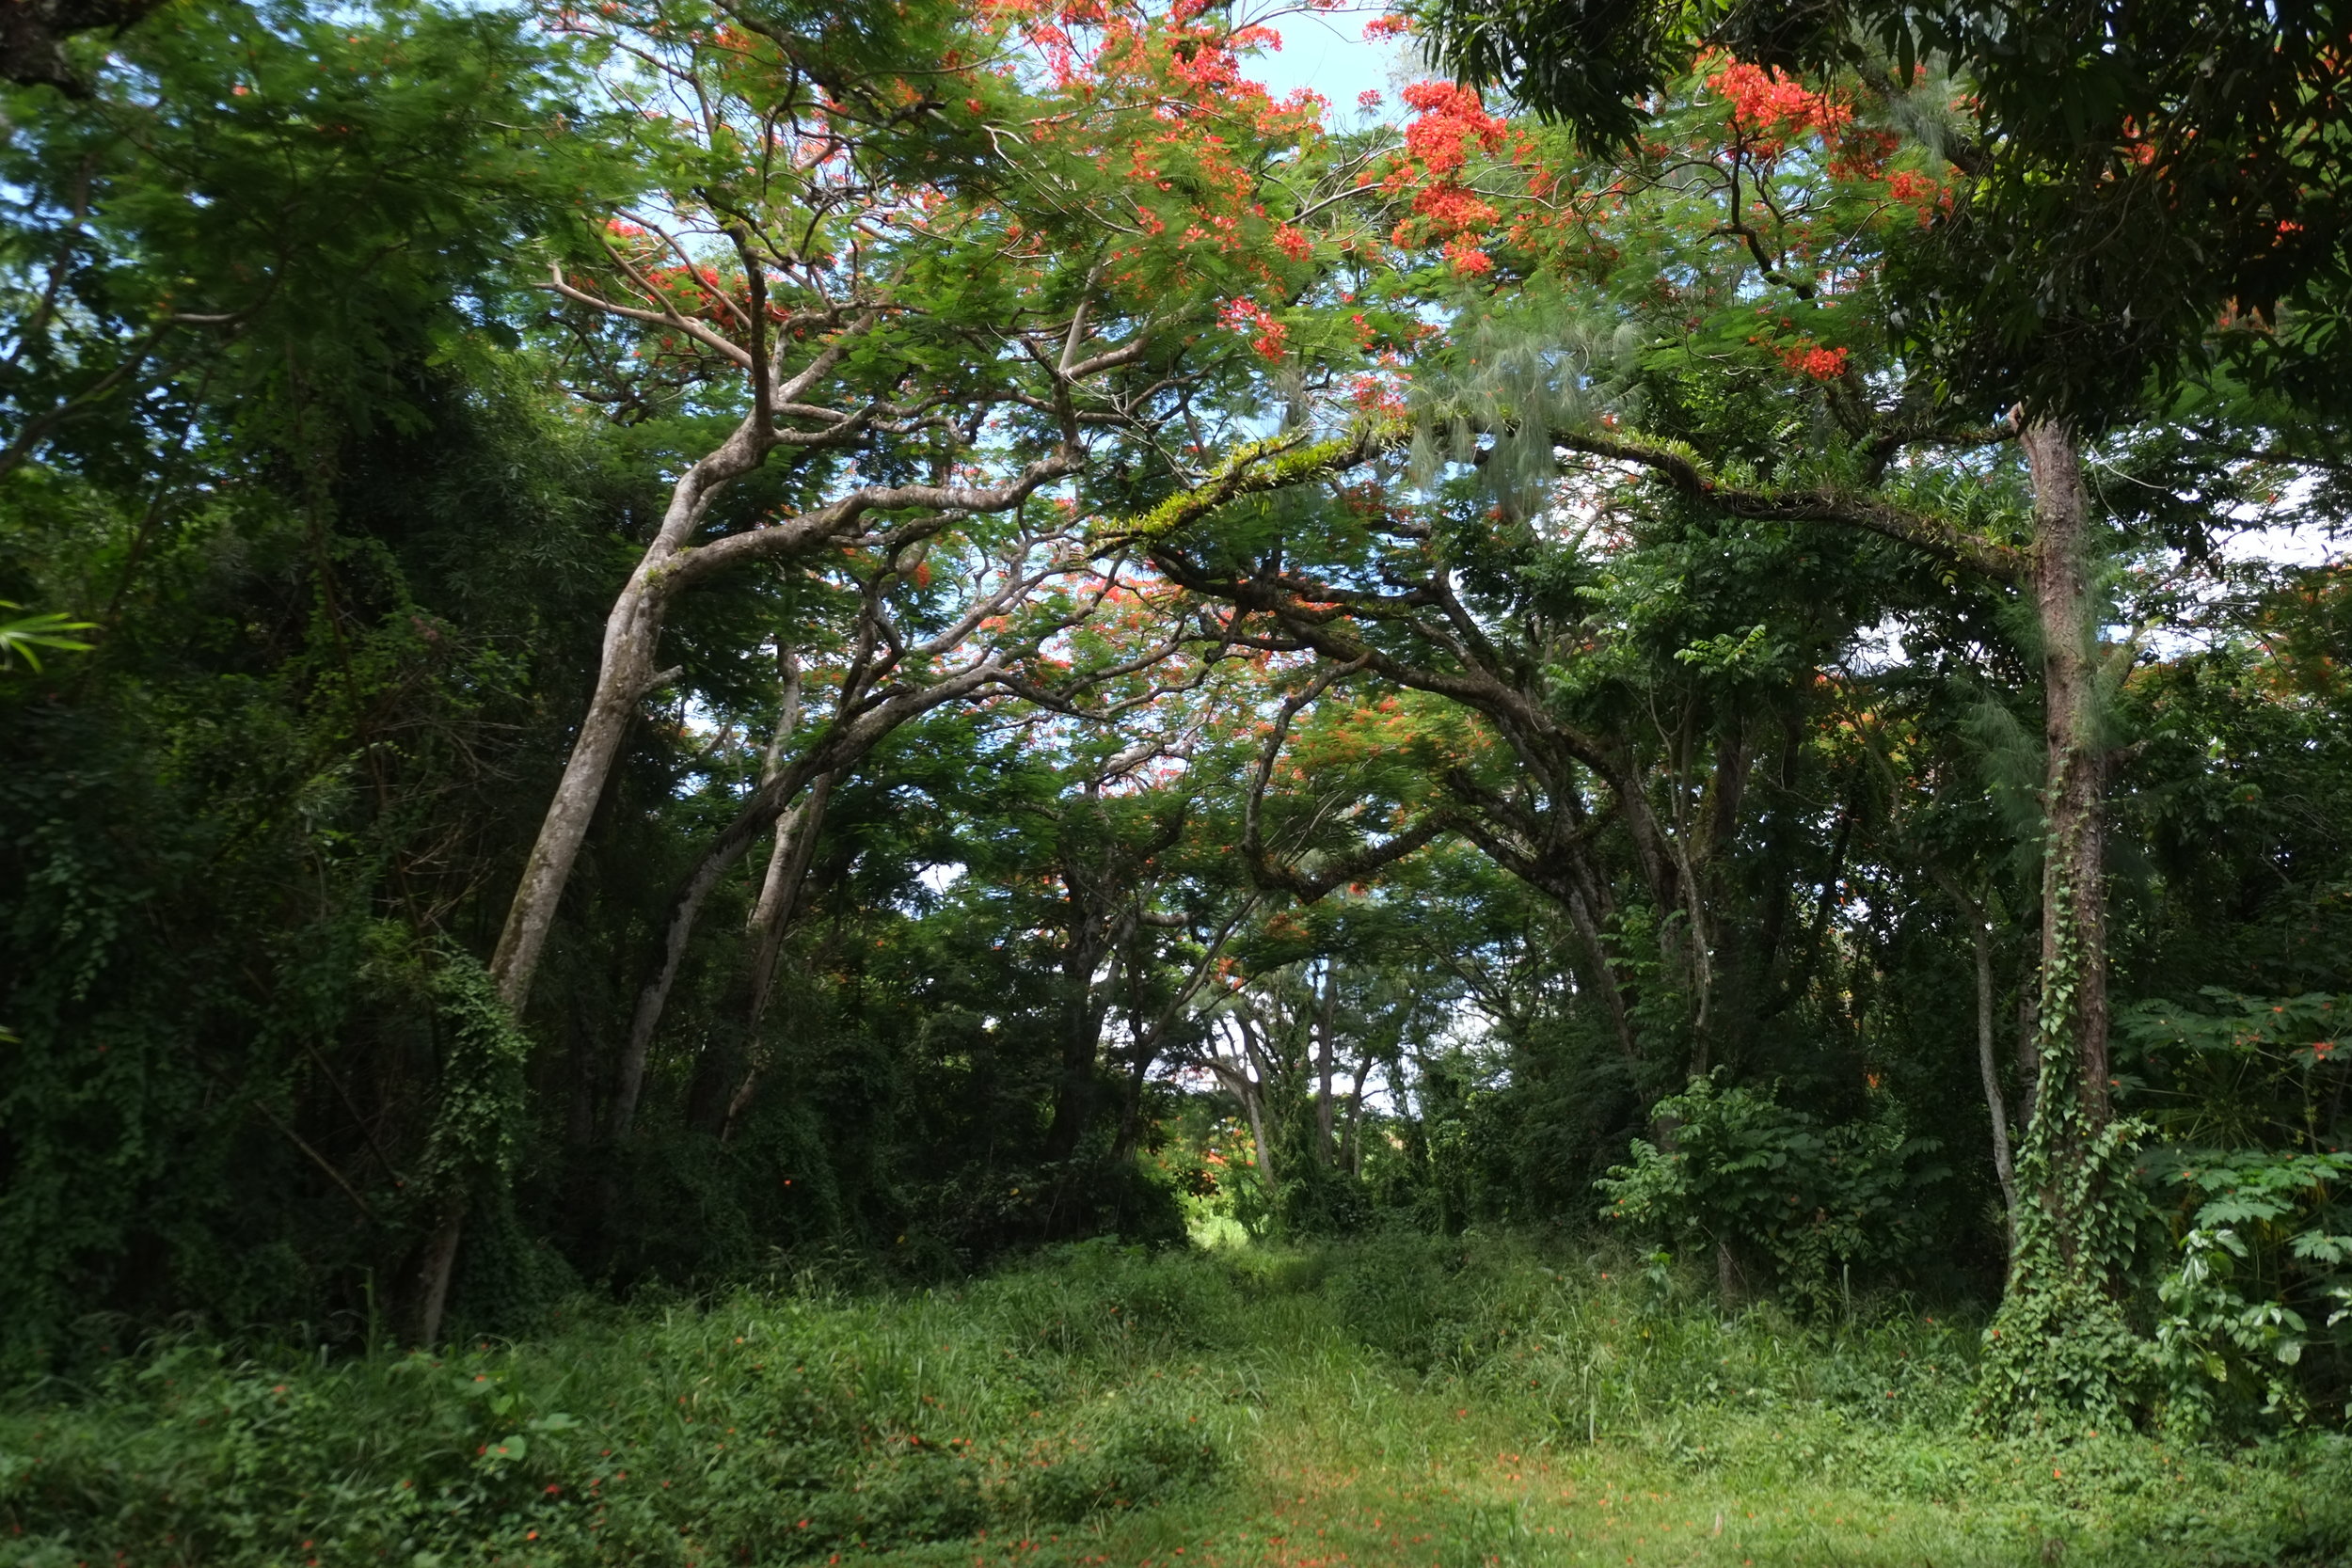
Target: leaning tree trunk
(843,745)
(797,832)
(437,1268)
(625,673)
(1250,1079)
(2061,1338)
(632,633)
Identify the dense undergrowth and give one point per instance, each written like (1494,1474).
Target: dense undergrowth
(1407,1400)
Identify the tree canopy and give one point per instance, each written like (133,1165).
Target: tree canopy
(640,642)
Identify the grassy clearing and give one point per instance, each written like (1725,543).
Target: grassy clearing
(1403,1401)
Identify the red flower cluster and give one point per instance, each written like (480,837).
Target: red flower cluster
(1920,193)
(1469,261)
(1159,100)
(1822,364)
(1769,110)
(1378,396)
(1248,316)
(1215,61)
(1452,210)
(1451,119)
(1451,123)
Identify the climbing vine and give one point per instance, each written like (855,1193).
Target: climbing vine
(2062,1341)
(482,1103)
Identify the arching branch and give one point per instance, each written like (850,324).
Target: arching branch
(1332,870)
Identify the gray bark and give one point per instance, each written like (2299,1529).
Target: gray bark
(439,1267)
(2072,1006)
(670,565)
(1988,1064)
(626,672)
(780,901)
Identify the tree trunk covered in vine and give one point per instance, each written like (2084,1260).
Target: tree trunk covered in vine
(2073,897)
(2061,1338)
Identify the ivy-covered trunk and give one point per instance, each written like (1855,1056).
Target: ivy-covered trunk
(2074,987)
(2060,1339)
(469,1159)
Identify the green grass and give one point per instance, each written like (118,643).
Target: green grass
(1401,1402)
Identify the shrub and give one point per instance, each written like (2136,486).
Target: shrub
(1750,1175)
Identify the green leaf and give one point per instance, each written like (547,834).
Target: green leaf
(19,637)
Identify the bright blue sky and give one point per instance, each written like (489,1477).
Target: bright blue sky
(1327,51)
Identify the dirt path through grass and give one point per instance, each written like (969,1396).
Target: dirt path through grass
(1412,1402)
(1358,1468)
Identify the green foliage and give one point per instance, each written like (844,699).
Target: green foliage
(25,636)
(1742,1172)
(2245,1092)
(2061,1342)
(279,212)
(793,1426)
(1638,654)
(2216,1324)
(1486,1390)
(2021,289)
(478,1119)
